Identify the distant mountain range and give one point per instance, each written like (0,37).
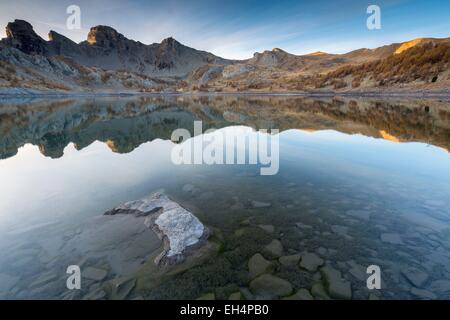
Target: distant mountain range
(109,62)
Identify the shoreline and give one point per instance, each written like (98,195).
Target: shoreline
(34,94)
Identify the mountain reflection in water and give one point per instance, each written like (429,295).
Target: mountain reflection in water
(126,123)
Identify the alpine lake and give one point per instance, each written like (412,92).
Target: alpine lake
(361,182)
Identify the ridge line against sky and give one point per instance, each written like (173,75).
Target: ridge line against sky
(236,29)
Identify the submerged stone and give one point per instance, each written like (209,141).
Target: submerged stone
(7,282)
(318,291)
(43,280)
(423,294)
(98,294)
(207,296)
(235,296)
(391,238)
(303,226)
(361,214)
(301,294)
(441,287)
(258,265)
(358,271)
(259,204)
(188,187)
(290,261)
(415,276)
(338,288)
(274,248)
(311,261)
(94,273)
(122,287)
(267,227)
(269,286)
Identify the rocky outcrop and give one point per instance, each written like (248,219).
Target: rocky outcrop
(20,35)
(62,45)
(108,49)
(180,231)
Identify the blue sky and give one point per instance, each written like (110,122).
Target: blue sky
(237,29)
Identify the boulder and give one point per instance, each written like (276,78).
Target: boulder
(178,228)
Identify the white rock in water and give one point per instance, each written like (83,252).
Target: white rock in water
(145,206)
(181,227)
(178,227)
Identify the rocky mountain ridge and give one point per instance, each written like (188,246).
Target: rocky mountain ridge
(107,61)
(108,49)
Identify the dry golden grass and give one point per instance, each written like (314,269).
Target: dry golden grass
(422,63)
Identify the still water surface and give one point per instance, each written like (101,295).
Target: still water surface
(361,182)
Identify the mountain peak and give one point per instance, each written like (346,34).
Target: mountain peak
(103,36)
(317,53)
(409,44)
(170,42)
(18,27)
(55,36)
(20,34)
